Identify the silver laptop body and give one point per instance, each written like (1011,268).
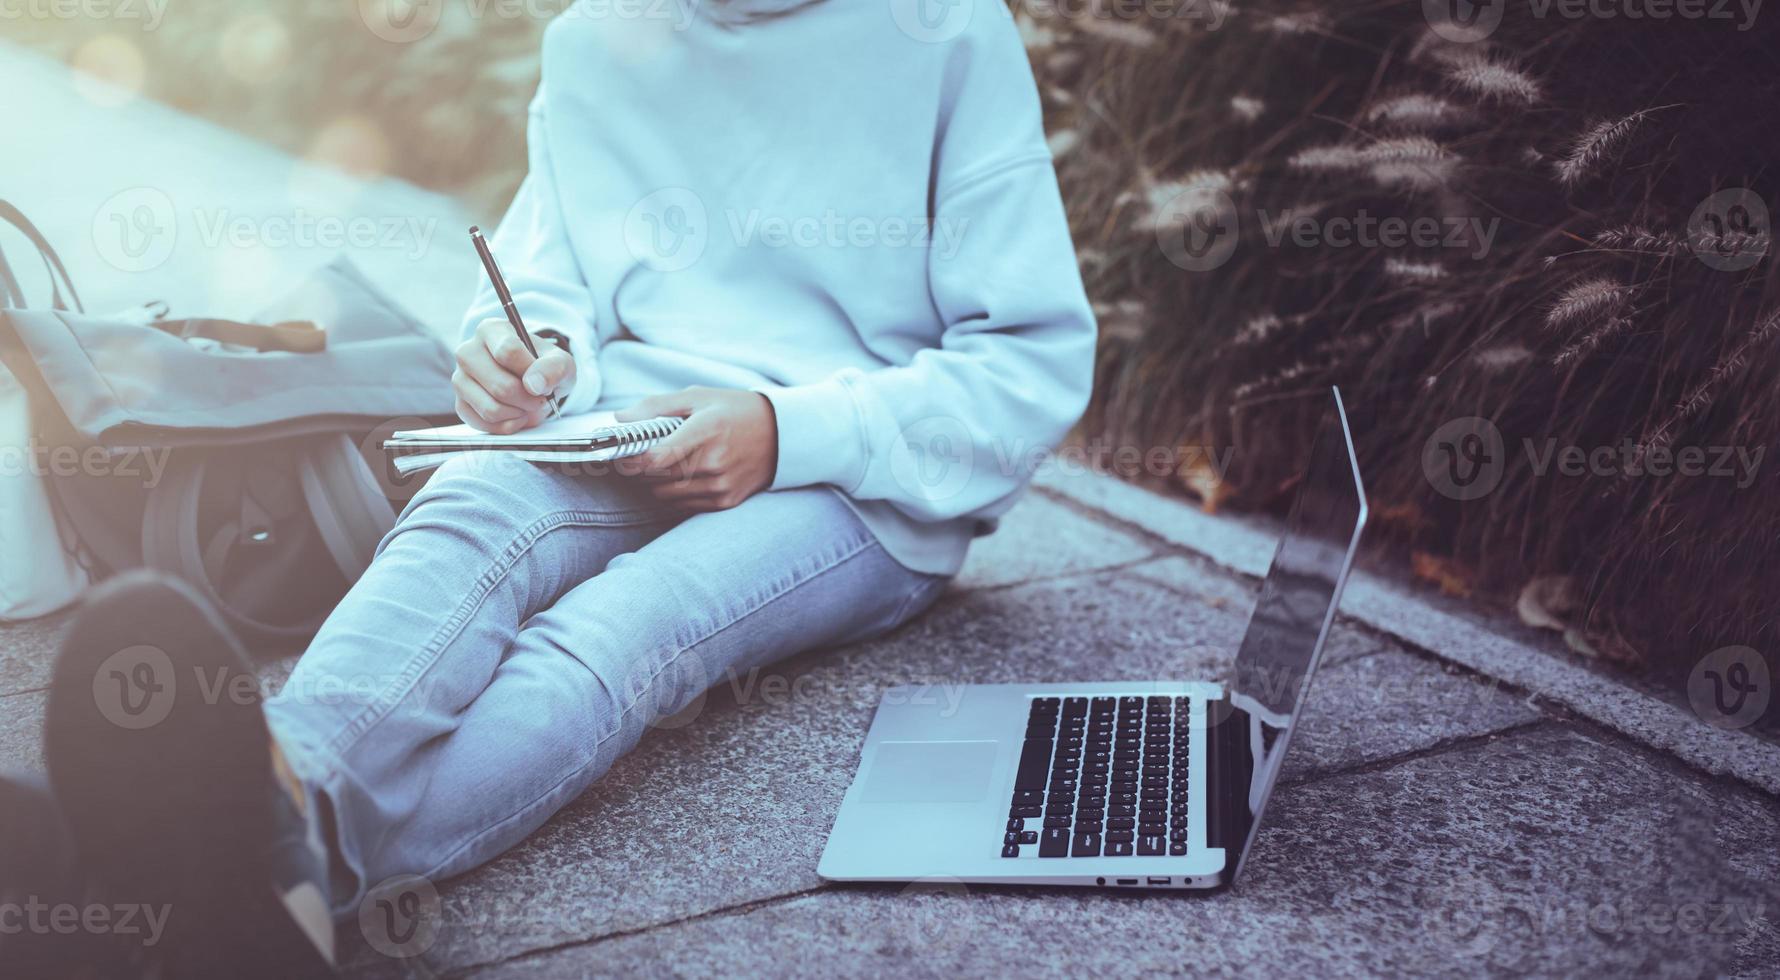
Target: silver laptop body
(1109,784)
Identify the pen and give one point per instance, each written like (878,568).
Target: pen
(501,292)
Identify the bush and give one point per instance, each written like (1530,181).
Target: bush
(1575,298)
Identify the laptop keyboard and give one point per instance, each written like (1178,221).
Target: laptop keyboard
(1101,777)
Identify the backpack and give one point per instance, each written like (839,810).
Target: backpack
(243,457)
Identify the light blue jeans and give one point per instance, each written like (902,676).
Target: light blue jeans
(521,629)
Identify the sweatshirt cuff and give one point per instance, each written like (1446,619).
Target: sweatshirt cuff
(821,439)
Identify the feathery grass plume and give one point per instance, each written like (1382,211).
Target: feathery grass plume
(1170,203)
(1495,360)
(1259,330)
(1495,81)
(1127,320)
(1421,272)
(1415,161)
(1296,371)
(1119,31)
(1415,110)
(1633,238)
(1594,147)
(1296,22)
(1728,244)
(1246,107)
(1037,37)
(1337,156)
(1591,340)
(1587,301)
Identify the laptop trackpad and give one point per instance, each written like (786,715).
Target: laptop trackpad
(931,772)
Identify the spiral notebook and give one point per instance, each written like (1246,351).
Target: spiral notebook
(591,438)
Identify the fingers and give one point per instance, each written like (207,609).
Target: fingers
(680,403)
(477,363)
(505,347)
(674,457)
(474,395)
(553,369)
(475,419)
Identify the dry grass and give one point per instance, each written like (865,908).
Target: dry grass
(1588,320)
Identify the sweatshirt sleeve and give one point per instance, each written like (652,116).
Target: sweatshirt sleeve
(958,428)
(538,261)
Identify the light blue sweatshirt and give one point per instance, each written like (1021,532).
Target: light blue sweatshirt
(850,209)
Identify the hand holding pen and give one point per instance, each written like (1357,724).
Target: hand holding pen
(503,384)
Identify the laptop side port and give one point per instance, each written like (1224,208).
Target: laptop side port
(1127,881)
(1160,881)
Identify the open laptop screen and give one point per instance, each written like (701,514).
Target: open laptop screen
(1290,623)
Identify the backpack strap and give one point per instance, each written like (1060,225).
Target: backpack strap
(296,336)
(58,274)
(347,504)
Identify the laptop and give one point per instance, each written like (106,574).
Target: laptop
(1133,785)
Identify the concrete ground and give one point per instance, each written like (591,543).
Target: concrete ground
(1460,799)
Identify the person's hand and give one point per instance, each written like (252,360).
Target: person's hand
(726,451)
(500,387)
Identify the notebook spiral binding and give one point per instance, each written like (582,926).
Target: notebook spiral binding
(640,436)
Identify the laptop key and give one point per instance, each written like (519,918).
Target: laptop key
(1177,848)
(1053,843)
(1086,845)
(1026,811)
(1117,849)
(1028,797)
(1054,822)
(1029,837)
(1035,760)
(1151,846)
(1015,823)
(1010,850)
(1119,836)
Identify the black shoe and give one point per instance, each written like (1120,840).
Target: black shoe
(159,756)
